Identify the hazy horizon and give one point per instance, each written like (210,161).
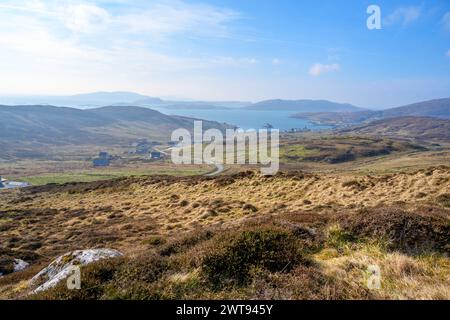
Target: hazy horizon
(228,50)
(181,99)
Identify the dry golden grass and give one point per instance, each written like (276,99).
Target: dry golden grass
(402,277)
(135,214)
(138,208)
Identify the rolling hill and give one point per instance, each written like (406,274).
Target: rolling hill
(48,125)
(303,106)
(82,101)
(116,98)
(438,108)
(427,128)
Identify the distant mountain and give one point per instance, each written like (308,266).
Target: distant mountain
(88,100)
(194,106)
(439,108)
(108,98)
(303,106)
(426,128)
(35,126)
(336,118)
(101,99)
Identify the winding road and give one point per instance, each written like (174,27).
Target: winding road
(219,170)
(219,167)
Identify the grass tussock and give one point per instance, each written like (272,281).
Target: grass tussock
(232,259)
(404,231)
(244,236)
(287,257)
(444,200)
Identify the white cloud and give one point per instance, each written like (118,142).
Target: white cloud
(177,16)
(86,18)
(403,16)
(446,21)
(158,17)
(276,61)
(319,69)
(233,61)
(76,45)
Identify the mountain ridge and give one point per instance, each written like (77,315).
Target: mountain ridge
(303,105)
(34,126)
(124,98)
(427,128)
(436,108)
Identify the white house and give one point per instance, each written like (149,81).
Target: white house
(2,181)
(6,184)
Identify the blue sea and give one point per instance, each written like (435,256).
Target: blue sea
(246,119)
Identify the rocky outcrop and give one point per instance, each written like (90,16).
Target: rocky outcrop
(10,265)
(62,267)
(20,265)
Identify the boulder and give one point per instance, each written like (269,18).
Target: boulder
(10,265)
(61,268)
(20,265)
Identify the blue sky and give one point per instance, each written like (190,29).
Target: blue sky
(228,50)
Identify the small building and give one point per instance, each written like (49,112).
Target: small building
(103,160)
(103,155)
(155,155)
(142,149)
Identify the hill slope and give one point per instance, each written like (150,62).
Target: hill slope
(439,108)
(116,98)
(40,125)
(410,127)
(302,106)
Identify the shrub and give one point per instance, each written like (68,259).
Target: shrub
(184,203)
(250,207)
(154,241)
(94,278)
(444,200)
(233,258)
(118,278)
(186,242)
(408,232)
(32,245)
(307,283)
(353,184)
(338,238)
(6,265)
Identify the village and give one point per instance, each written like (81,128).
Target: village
(140,150)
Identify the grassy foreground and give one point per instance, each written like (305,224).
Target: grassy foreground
(101,175)
(292,236)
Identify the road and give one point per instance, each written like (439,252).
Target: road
(162,151)
(219,170)
(219,167)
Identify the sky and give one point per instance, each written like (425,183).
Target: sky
(247,50)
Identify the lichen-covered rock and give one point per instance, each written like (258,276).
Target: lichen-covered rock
(10,265)
(61,268)
(19,265)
